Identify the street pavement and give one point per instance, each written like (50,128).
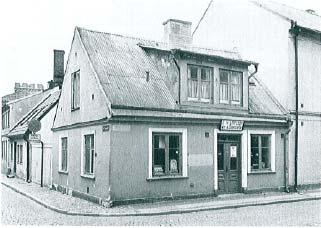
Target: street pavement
(17,209)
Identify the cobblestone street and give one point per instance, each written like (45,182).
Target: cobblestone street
(19,210)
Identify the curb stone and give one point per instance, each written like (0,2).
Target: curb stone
(164,212)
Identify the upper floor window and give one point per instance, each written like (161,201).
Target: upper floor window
(230,87)
(75,90)
(199,83)
(5,119)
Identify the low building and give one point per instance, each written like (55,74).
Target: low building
(140,119)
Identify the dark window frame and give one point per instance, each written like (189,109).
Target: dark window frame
(167,149)
(91,154)
(260,148)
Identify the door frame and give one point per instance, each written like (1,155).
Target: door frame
(243,162)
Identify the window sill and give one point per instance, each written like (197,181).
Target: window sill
(75,109)
(88,176)
(165,177)
(63,172)
(262,172)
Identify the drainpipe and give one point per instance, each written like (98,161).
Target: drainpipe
(179,77)
(248,84)
(296,31)
(28,165)
(41,175)
(286,156)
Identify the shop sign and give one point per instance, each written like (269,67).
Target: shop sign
(232,125)
(34,137)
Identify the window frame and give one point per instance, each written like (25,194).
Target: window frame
(199,80)
(5,119)
(229,101)
(83,151)
(272,151)
(183,146)
(75,106)
(61,137)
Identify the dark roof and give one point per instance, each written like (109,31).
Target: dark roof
(262,101)
(44,106)
(121,64)
(302,17)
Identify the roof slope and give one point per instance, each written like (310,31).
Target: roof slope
(37,112)
(303,18)
(261,100)
(121,66)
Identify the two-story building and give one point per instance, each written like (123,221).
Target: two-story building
(140,119)
(286,42)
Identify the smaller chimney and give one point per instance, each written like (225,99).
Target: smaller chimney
(58,76)
(311,11)
(177,33)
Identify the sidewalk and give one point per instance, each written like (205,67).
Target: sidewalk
(73,206)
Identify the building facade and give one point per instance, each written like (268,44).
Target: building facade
(286,42)
(140,119)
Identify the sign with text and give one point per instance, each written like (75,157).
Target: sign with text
(232,125)
(34,137)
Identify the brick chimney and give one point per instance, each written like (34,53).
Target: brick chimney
(59,69)
(177,33)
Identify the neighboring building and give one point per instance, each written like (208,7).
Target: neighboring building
(22,150)
(22,90)
(141,119)
(286,42)
(32,152)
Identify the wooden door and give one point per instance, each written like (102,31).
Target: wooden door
(228,158)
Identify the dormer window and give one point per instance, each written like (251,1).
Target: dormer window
(199,83)
(230,87)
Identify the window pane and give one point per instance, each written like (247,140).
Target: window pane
(224,92)
(174,153)
(159,141)
(265,140)
(159,161)
(87,154)
(174,141)
(233,163)
(266,158)
(220,156)
(235,78)
(193,73)
(254,141)
(254,158)
(235,92)
(223,76)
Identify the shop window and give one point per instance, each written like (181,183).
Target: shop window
(199,83)
(230,87)
(63,154)
(88,154)
(168,153)
(260,152)
(75,91)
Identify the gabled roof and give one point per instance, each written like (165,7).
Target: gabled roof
(44,106)
(303,18)
(262,101)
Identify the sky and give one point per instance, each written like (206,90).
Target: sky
(32,29)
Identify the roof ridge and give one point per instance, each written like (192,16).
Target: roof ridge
(120,35)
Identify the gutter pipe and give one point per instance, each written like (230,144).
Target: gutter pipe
(28,165)
(41,175)
(296,31)
(179,77)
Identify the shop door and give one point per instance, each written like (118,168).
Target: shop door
(228,157)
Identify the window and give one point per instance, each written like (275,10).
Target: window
(63,154)
(230,87)
(75,93)
(3,150)
(199,83)
(5,119)
(88,155)
(168,152)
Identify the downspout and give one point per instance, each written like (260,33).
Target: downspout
(295,31)
(179,77)
(28,150)
(286,156)
(41,175)
(248,84)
